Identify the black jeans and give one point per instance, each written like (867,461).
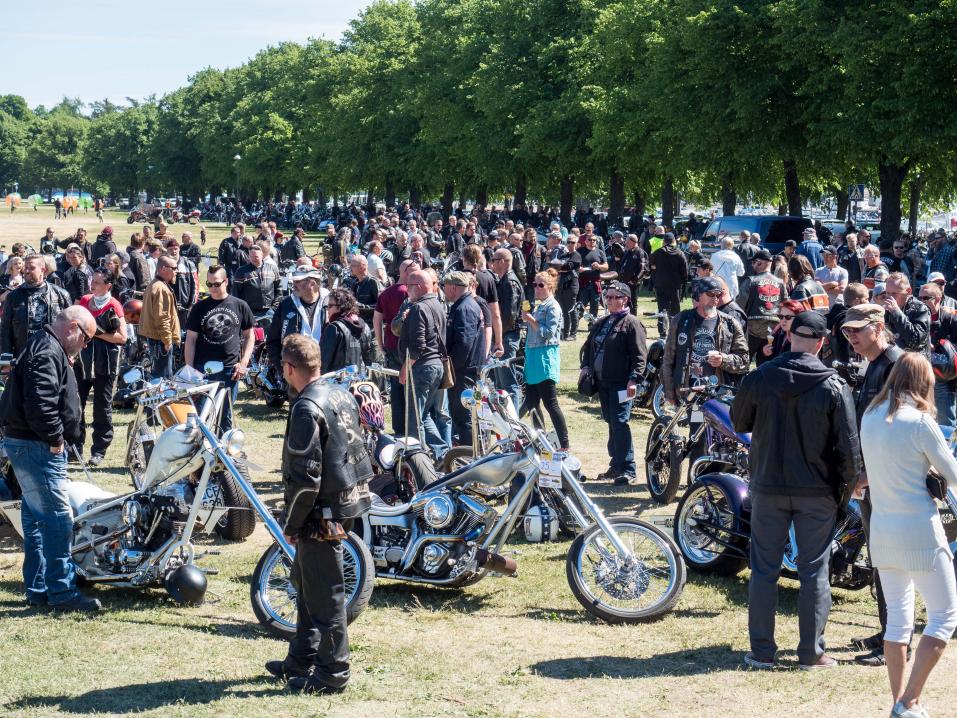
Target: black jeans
(102,387)
(566,300)
(544,392)
(461,417)
(878,590)
(396,393)
(321,639)
(814,518)
(668,301)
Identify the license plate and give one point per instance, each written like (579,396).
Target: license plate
(667,522)
(697,417)
(550,474)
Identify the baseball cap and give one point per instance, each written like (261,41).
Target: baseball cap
(461,279)
(301,272)
(879,289)
(493,233)
(703,285)
(74,245)
(619,287)
(107,231)
(932,277)
(829,249)
(809,325)
(763,255)
(862,315)
(668,238)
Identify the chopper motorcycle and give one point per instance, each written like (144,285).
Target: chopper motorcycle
(143,539)
(621,569)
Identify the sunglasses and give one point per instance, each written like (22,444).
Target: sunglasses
(849,331)
(620,297)
(86,337)
(925,297)
(540,285)
(786,316)
(214,285)
(716,294)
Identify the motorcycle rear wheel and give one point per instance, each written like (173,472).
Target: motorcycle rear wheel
(699,548)
(615,592)
(273,596)
(663,469)
(240,520)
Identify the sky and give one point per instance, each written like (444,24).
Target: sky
(98,49)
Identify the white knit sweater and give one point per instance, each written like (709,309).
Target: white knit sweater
(906,531)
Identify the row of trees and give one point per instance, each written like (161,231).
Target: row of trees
(626,101)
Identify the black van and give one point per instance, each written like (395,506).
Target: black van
(774,229)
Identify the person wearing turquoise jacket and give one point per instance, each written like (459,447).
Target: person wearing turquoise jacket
(542,359)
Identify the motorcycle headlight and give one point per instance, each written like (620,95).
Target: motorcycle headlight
(233,441)
(439,512)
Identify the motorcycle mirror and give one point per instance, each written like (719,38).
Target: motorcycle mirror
(213,367)
(131,377)
(468,398)
(169,393)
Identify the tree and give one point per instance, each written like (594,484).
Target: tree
(13,139)
(52,158)
(116,148)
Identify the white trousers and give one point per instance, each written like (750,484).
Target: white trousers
(938,588)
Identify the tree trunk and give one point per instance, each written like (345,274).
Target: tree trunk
(415,197)
(729,198)
(668,202)
(782,209)
(370,199)
(616,206)
(916,185)
(481,197)
(521,191)
(791,188)
(389,193)
(567,200)
(447,194)
(892,182)
(639,206)
(335,198)
(842,203)
(462,201)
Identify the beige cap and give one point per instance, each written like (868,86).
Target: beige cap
(862,315)
(462,279)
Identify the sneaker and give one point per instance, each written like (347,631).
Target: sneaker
(280,671)
(915,711)
(38,601)
(309,684)
(78,603)
(608,475)
(627,480)
(870,643)
(825,661)
(751,662)
(95,460)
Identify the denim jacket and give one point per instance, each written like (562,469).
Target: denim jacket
(549,330)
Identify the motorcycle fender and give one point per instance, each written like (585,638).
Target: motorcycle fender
(736,489)
(12,510)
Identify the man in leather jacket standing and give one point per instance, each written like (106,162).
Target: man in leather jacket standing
(325,475)
(30,306)
(805,455)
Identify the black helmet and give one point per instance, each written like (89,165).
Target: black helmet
(656,353)
(944,361)
(187,585)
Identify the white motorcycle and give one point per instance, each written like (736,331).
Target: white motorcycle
(144,538)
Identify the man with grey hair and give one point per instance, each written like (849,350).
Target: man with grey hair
(728,265)
(41,415)
(746,250)
(811,248)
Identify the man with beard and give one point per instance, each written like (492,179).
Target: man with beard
(30,306)
(220,328)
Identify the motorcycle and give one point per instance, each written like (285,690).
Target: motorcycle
(621,569)
(143,538)
(706,417)
(156,413)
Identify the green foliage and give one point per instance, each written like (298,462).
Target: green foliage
(52,157)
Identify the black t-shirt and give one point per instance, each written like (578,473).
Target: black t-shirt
(486,288)
(219,324)
(586,273)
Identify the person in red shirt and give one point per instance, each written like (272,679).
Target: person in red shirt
(97,365)
(387,308)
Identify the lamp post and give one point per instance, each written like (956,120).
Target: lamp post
(237,158)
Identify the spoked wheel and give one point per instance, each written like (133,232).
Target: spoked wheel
(456,458)
(137,455)
(703,528)
(240,520)
(273,595)
(663,467)
(659,407)
(621,590)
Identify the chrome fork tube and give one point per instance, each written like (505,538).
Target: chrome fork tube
(596,514)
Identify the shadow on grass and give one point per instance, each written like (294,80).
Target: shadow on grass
(148,696)
(248,630)
(694,661)
(435,600)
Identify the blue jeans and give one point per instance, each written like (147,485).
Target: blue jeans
(505,378)
(162,359)
(429,403)
(226,418)
(48,569)
(946,400)
(616,414)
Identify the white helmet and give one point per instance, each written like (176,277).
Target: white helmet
(540,524)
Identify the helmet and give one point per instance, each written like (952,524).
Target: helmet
(540,524)
(944,361)
(186,584)
(132,310)
(656,353)
(369,399)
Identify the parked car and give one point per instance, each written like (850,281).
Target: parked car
(774,229)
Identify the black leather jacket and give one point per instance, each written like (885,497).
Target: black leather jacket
(911,326)
(40,401)
(804,438)
(290,319)
(325,466)
(26,310)
(260,287)
(291,250)
(730,340)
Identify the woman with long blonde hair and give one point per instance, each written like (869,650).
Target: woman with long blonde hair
(901,442)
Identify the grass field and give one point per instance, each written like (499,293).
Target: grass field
(505,647)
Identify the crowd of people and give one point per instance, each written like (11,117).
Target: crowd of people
(434,297)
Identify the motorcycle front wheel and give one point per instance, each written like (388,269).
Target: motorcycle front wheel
(240,520)
(273,596)
(616,590)
(663,467)
(703,529)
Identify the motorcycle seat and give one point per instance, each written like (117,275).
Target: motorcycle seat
(79,493)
